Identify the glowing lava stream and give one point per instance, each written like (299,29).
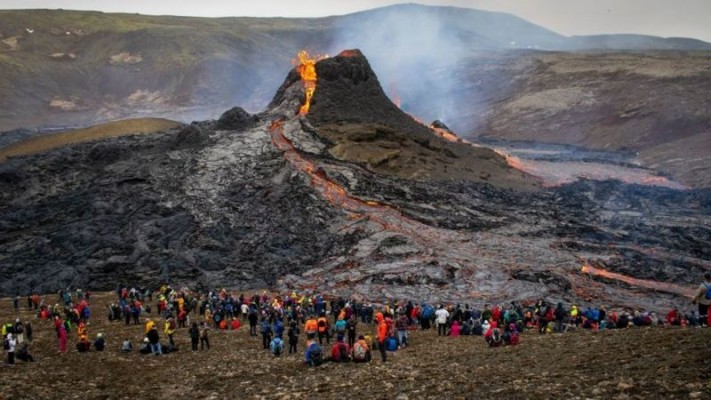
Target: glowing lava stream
(662,287)
(389,218)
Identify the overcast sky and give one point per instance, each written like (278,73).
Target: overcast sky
(682,18)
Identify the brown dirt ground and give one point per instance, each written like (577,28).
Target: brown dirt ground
(632,364)
(43,143)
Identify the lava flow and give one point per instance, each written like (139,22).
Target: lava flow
(306,67)
(662,287)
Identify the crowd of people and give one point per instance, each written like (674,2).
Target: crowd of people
(356,328)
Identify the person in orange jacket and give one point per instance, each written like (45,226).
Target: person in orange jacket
(382,334)
(311,327)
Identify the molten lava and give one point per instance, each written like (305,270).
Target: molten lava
(306,67)
(662,287)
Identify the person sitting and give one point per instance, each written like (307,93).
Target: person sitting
(493,336)
(455,329)
(126,346)
(313,354)
(340,352)
(145,347)
(361,350)
(84,345)
(23,354)
(276,346)
(99,343)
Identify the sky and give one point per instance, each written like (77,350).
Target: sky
(666,18)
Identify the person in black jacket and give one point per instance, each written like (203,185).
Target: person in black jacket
(194,335)
(154,341)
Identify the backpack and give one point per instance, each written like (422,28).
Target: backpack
(18,328)
(427,312)
(708,291)
(391,344)
(514,339)
(359,352)
(277,346)
(343,353)
(315,355)
(496,337)
(6,344)
(322,325)
(172,325)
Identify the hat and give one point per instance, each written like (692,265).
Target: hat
(98,335)
(145,340)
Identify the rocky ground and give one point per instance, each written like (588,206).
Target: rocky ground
(670,363)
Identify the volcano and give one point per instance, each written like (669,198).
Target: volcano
(334,188)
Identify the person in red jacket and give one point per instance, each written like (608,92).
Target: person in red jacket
(382,335)
(340,352)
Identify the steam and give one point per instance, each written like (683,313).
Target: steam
(424,55)
(409,47)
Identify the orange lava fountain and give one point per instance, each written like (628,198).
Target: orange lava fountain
(660,286)
(306,67)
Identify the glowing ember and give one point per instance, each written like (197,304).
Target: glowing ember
(663,287)
(306,67)
(349,53)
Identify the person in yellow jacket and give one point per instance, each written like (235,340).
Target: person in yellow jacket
(149,325)
(574,314)
(169,329)
(181,303)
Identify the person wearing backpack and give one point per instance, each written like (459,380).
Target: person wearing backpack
(703,299)
(340,352)
(493,336)
(313,354)
(276,346)
(19,330)
(322,322)
(265,329)
(204,336)
(360,350)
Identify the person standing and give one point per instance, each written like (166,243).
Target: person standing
(154,340)
(194,336)
(204,337)
(382,335)
(11,343)
(62,335)
(441,316)
(169,330)
(703,299)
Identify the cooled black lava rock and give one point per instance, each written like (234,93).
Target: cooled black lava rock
(235,119)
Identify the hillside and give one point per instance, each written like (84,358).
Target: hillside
(671,363)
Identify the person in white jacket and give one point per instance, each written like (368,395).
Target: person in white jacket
(441,316)
(11,349)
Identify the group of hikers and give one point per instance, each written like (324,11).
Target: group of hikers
(281,319)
